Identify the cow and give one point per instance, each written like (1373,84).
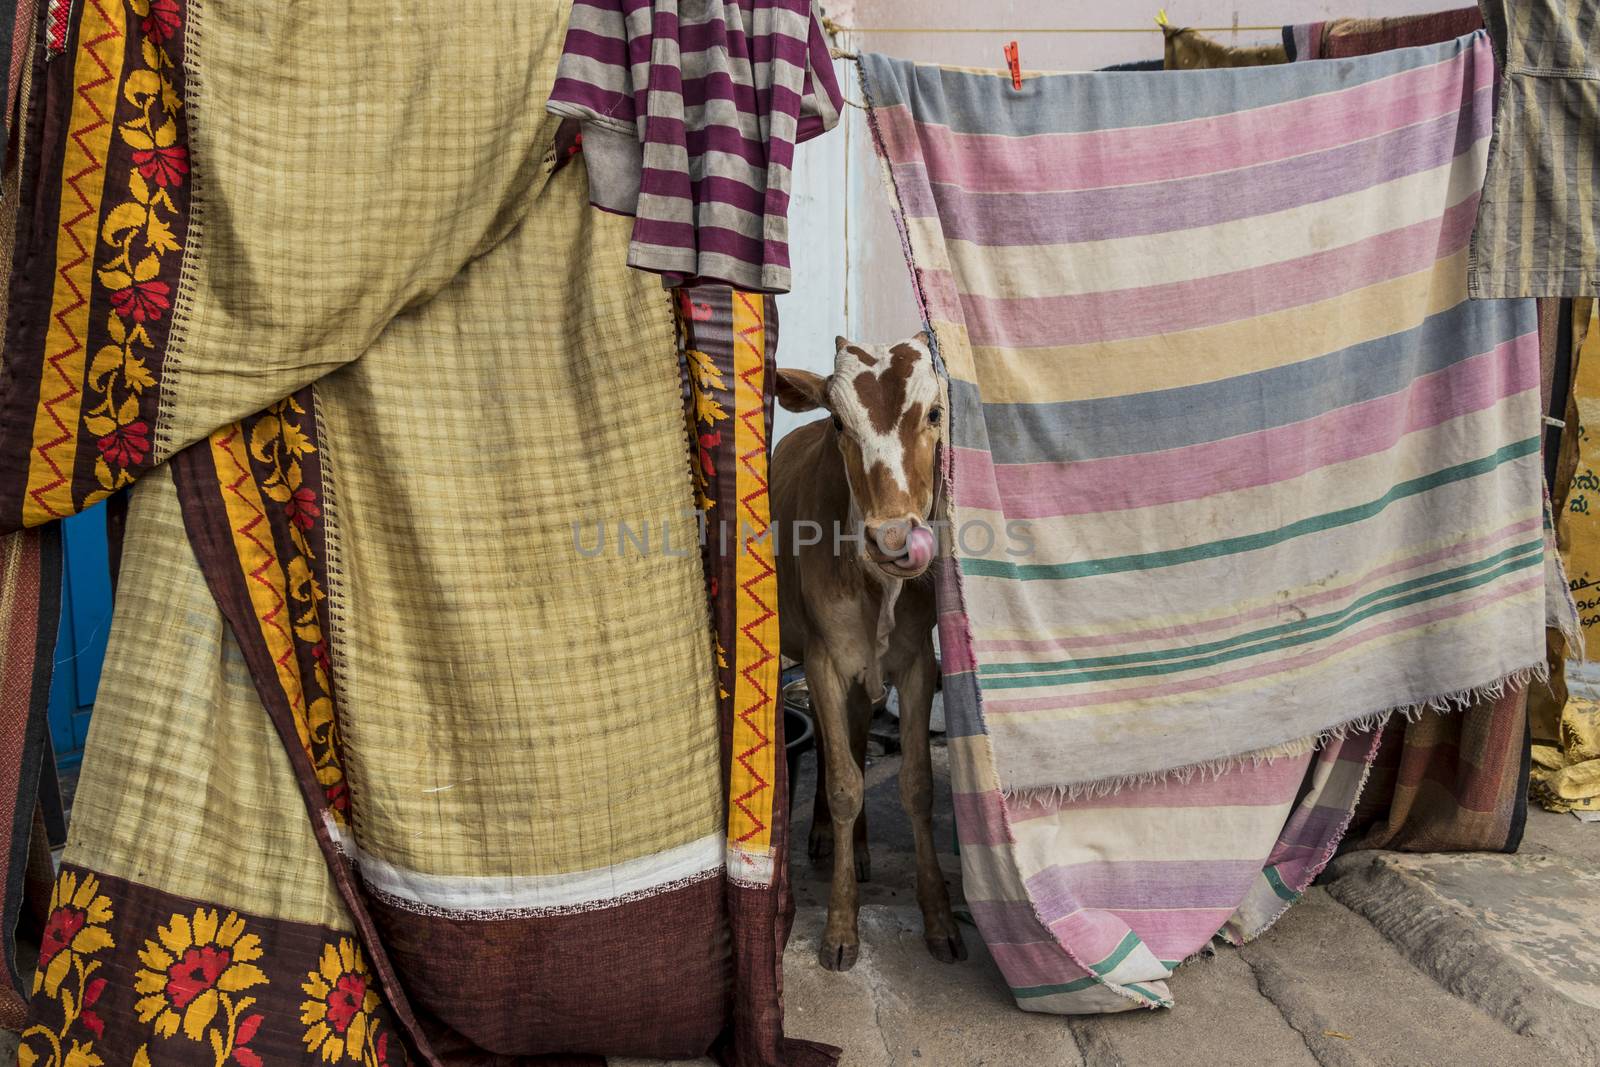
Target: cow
(852,497)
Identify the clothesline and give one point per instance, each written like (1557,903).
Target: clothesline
(834,27)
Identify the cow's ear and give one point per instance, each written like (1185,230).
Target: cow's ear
(925,339)
(839,343)
(800,390)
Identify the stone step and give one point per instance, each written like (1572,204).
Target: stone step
(1518,936)
(1355,999)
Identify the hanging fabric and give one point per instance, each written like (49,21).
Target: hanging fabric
(1538,229)
(388,764)
(1366,564)
(691,114)
(1187,49)
(1343,38)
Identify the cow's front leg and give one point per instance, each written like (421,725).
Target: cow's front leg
(939,928)
(840,944)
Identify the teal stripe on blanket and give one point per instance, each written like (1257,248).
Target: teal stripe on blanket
(1124,949)
(1275,880)
(1525,562)
(1530,553)
(990,568)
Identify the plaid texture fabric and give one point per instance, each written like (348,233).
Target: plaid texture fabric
(508,743)
(192,801)
(1449,783)
(1538,229)
(30,600)
(691,114)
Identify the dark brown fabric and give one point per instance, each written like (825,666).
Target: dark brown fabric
(1448,782)
(257,1001)
(1342,38)
(552,998)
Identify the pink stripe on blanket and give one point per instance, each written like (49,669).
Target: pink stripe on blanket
(1218,299)
(1097,159)
(1267,783)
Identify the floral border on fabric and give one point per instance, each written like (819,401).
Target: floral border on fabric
(128,974)
(726,358)
(95,278)
(253,499)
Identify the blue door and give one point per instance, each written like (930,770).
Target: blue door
(81,639)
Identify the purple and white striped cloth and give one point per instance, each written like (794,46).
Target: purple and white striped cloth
(691,114)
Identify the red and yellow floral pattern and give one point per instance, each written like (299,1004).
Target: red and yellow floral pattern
(131,975)
(338,1015)
(139,252)
(76,932)
(96,319)
(196,970)
(268,476)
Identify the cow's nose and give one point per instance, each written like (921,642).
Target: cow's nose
(890,537)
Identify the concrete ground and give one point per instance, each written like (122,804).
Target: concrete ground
(1413,961)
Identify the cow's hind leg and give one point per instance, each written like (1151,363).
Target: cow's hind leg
(916,796)
(819,844)
(829,699)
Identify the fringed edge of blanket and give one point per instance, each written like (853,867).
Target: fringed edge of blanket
(1444,703)
(1563,615)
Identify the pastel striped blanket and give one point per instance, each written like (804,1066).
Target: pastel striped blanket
(1235,462)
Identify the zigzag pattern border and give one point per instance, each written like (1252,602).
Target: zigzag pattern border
(91,210)
(225,444)
(754,419)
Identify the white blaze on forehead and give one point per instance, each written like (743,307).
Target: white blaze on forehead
(884,447)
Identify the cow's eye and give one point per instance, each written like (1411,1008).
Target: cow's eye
(934,416)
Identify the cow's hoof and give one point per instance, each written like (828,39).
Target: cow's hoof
(819,846)
(946,948)
(863,864)
(838,957)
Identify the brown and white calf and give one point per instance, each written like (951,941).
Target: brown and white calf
(857,611)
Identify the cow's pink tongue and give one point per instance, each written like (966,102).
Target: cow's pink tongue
(919,547)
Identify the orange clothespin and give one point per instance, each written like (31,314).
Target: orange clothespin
(1014,64)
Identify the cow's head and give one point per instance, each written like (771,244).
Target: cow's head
(886,409)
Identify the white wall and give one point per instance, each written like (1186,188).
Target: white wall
(849,273)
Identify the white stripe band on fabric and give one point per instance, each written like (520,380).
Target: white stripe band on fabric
(752,869)
(497,896)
